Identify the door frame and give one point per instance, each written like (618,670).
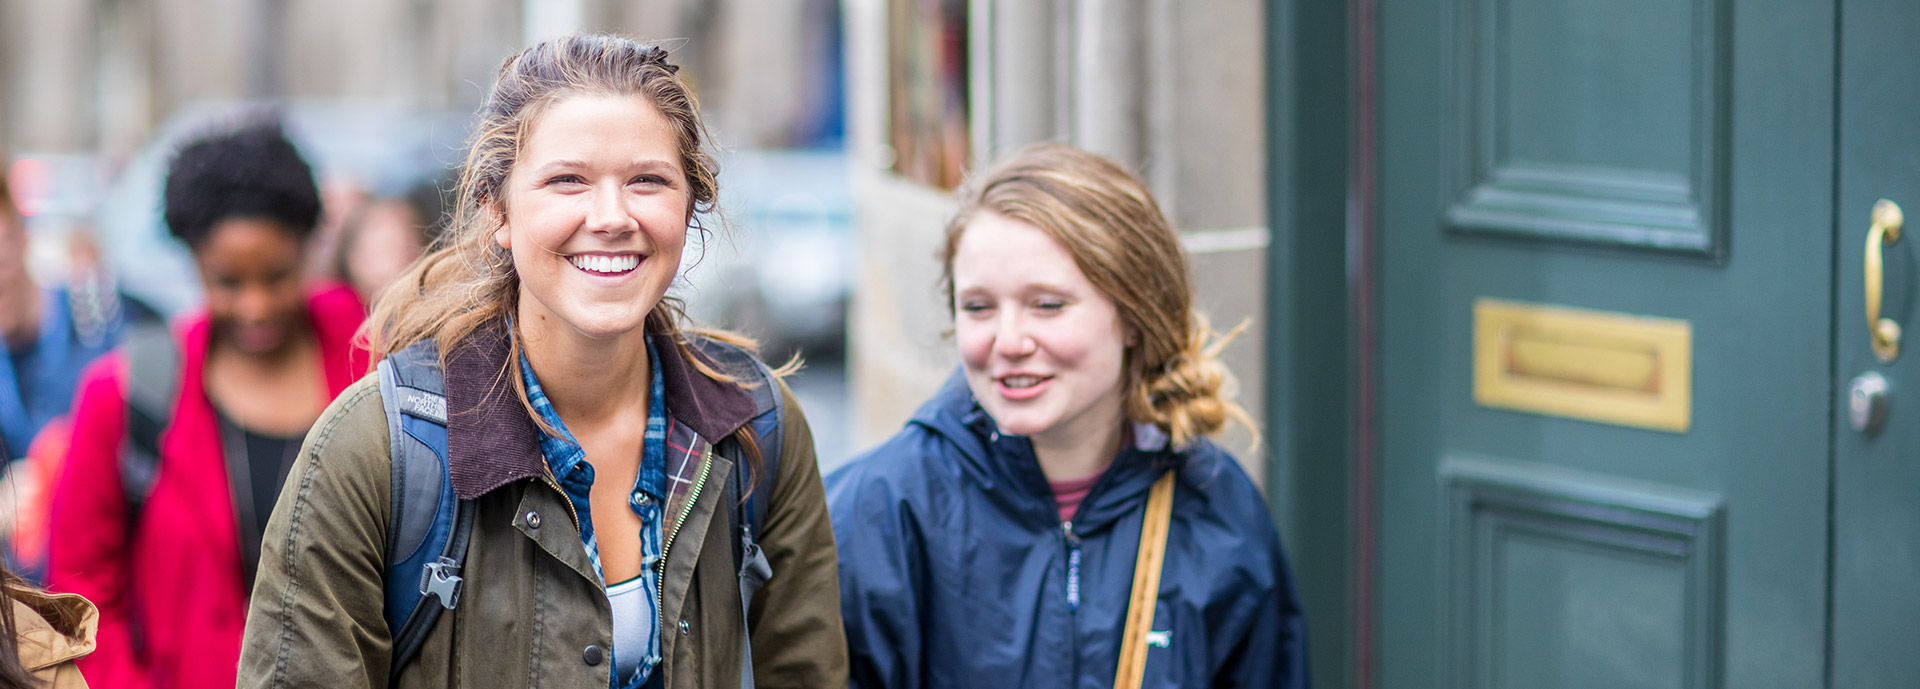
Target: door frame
(1322,360)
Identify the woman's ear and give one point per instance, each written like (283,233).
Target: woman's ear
(500,234)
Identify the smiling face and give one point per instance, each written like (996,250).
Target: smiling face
(596,215)
(1043,349)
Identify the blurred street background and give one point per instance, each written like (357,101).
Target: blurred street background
(842,128)
(1554,306)
(379,94)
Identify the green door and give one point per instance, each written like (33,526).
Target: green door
(1876,560)
(1607,344)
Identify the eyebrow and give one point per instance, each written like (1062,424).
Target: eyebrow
(650,165)
(1027,288)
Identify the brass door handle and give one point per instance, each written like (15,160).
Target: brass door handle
(1883,333)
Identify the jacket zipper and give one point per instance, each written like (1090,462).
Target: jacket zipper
(693,496)
(1073,566)
(1072,542)
(555,483)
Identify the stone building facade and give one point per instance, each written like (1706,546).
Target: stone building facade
(1174,89)
(98,76)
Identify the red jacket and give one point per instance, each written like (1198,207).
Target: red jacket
(182,576)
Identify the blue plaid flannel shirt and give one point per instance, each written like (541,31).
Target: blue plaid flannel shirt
(567,460)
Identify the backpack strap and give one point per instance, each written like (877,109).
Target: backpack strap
(429,528)
(153,381)
(152,384)
(438,579)
(769,415)
(769,428)
(413,392)
(772,437)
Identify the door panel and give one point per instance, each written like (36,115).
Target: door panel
(1566,579)
(1669,159)
(1588,122)
(1876,569)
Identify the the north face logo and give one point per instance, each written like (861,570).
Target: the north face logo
(422,404)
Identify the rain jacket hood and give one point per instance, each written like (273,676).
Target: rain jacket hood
(1011,476)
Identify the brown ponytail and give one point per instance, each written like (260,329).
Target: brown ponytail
(1188,395)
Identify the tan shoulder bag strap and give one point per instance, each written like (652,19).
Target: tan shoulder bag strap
(1146,585)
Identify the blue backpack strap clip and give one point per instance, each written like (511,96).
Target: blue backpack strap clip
(429,529)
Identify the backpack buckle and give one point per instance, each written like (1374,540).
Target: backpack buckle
(441,578)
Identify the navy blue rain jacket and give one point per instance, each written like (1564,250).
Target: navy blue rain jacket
(956,571)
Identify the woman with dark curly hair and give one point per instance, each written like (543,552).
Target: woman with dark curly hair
(167,548)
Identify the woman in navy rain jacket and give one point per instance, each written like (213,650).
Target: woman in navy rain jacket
(991,542)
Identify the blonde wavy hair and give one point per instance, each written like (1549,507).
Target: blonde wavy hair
(1107,220)
(468,281)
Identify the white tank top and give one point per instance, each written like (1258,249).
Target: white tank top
(632,619)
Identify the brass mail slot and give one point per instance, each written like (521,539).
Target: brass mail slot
(1592,365)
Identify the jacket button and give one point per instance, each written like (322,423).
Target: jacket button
(533,519)
(593,655)
(685,628)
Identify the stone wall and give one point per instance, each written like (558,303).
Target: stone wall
(1175,89)
(97,76)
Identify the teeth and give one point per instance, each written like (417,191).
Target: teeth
(1021,381)
(605,264)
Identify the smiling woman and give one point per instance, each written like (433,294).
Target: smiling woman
(572,390)
(1006,535)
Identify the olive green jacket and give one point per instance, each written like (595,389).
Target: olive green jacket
(533,613)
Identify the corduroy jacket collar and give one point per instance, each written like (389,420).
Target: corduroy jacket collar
(492,441)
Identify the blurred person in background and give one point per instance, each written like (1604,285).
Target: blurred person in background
(341,196)
(602,451)
(162,529)
(385,235)
(51,334)
(993,542)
